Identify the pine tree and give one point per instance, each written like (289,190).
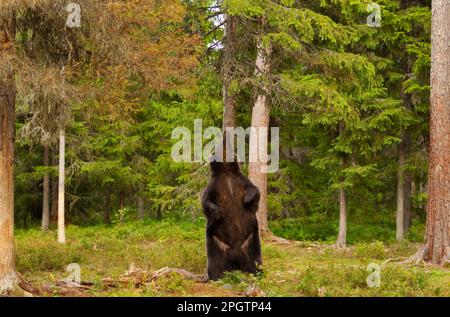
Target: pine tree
(437,245)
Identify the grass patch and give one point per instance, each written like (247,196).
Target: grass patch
(296,269)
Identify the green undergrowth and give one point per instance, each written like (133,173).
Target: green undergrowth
(295,269)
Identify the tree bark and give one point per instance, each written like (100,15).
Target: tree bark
(342,235)
(437,245)
(61,187)
(8,277)
(259,136)
(46,193)
(341,241)
(229,103)
(400,219)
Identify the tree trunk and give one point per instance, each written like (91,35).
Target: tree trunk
(229,103)
(61,187)
(437,245)
(141,210)
(400,219)
(46,193)
(341,241)
(8,276)
(259,137)
(342,235)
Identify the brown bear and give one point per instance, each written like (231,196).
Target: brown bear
(230,202)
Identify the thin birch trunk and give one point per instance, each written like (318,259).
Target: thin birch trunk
(61,187)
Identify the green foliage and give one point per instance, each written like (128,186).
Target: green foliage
(343,94)
(366,229)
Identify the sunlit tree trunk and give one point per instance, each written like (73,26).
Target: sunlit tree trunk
(46,193)
(437,245)
(61,187)
(8,277)
(259,136)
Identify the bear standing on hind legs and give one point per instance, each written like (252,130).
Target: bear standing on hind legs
(230,202)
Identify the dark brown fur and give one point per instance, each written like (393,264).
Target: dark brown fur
(230,202)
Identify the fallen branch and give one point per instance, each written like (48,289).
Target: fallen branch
(140,277)
(26,286)
(199,278)
(394,260)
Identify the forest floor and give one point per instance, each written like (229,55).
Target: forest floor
(120,260)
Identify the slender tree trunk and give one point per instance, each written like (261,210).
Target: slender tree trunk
(400,219)
(229,57)
(141,209)
(437,245)
(341,241)
(8,276)
(61,187)
(259,137)
(342,235)
(46,193)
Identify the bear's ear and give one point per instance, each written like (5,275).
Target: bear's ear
(251,198)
